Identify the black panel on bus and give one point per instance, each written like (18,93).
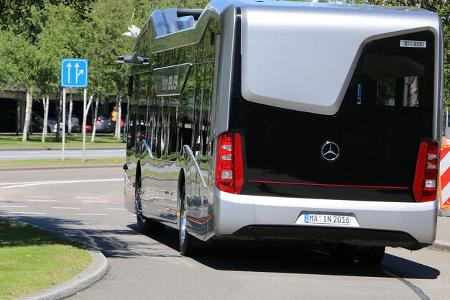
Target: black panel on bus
(387,110)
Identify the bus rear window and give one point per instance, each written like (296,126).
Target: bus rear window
(394,76)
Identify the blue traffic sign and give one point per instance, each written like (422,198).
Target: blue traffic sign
(74,73)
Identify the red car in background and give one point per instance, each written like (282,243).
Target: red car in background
(104,125)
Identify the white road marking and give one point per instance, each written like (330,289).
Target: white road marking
(13,206)
(113,208)
(43,200)
(95,201)
(86,197)
(26,213)
(36,196)
(69,154)
(8,183)
(92,214)
(66,207)
(35,183)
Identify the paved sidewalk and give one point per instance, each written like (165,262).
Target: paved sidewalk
(443,234)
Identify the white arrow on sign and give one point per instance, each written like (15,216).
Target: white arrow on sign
(69,66)
(78,74)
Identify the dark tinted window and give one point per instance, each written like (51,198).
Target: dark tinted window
(391,74)
(386,111)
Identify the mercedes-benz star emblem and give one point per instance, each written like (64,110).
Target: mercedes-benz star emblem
(330,151)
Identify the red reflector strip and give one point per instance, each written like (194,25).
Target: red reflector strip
(199,220)
(444,152)
(445,178)
(333,185)
(238,164)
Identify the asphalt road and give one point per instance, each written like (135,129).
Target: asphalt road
(87,206)
(69,153)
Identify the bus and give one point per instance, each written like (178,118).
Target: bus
(287,121)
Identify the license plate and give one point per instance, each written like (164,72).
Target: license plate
(311,218)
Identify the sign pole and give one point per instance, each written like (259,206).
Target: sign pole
(64,124)
(74,74)
(84,124)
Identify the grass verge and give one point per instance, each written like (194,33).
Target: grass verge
(59,162)
(32,259)
(72,141)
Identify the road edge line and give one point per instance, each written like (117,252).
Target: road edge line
(96,270)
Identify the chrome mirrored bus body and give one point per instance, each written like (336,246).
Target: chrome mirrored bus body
(286,120)
(133,59)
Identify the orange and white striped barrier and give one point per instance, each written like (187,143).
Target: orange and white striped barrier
(444,173)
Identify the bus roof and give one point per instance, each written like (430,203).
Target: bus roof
(168,19)
(296,4)
(157,34)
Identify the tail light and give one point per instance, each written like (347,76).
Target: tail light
(427,172)
(230,165)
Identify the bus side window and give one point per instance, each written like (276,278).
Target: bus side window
(207,91)
(131,126)
(187,103)
(141,106)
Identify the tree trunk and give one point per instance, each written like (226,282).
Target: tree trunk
(127,120)
(94,121)
(28,111)
(58,121)
(45,101)
(88,105)
(119,117)
(19,115)
(168,134)
(69,118)
(22,113)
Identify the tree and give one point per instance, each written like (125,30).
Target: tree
(36,34)
(31,51)
(17,12)
(60,37)
(109,19)
(18,69)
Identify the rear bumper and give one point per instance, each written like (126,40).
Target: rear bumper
(409,225)
(354,236)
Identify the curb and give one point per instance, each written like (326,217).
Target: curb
(441,245)
(61,167)
(94,272)
(443,213)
